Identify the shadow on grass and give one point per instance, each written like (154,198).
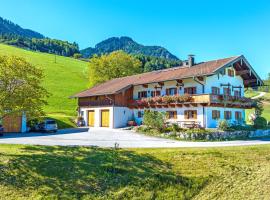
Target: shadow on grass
(90,173)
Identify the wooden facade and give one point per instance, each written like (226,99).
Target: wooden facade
(12,123)
(118,99)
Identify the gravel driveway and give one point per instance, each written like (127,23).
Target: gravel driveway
(103,137)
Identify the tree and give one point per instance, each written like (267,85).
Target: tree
(20,87)
(77,55)
(154,119)
(114,65)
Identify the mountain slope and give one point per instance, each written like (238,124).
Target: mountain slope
(63,78)
(13,34)
(128,45)
(8,27)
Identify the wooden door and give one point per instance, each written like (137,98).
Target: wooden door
(105,118)
(91,118)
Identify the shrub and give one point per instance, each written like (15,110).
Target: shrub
(260,123)
(154,119)
(223,125)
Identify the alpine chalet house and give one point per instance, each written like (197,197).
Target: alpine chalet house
(192,95)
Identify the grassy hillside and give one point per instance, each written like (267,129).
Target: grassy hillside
(40,172)
(63,78)
(266,104)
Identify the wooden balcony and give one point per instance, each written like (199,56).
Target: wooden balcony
(193,100)
(105,102)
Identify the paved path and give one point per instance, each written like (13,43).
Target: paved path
(259,96)
(107,138)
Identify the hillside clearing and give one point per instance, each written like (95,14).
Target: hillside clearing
(63,77)
(33,172)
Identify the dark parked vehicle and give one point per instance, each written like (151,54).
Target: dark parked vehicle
(1,130)
(47,125)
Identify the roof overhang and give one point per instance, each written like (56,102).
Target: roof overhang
(259,81)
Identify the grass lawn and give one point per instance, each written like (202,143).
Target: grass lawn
(266,104)
(251,93)
(41,172)
(63,78)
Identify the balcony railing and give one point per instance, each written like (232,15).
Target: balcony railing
(104,102)
(187,100)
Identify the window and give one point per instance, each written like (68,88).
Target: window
(155,93)
(238,115)
(237,93)
(142,94)
(171,91)
(231,72)
(172,114)
(190,114)
(215,114)
(190,90)
(82,113)
(227,114)
(140,114)
(215,90)
(227,91)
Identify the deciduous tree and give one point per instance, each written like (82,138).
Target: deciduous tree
(20,87)
(114,65)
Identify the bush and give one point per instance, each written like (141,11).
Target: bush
(260,123)
(241,128)
(154,119)
(223,125)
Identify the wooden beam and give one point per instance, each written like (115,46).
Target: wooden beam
(161,83)
(200,78)
(246,82)
(225,85)
(242,72)
(145,85)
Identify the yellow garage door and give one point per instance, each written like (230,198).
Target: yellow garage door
(91,118)
(105,118)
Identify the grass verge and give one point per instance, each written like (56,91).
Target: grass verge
(43,172)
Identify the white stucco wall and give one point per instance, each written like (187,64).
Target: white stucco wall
(210,81)
(168,84)
(121,116)
(216,80)
(180,113)
(98,115)
(212,123)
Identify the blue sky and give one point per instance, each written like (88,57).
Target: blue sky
(207,28)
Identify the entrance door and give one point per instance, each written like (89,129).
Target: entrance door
(91,118)
(105,116)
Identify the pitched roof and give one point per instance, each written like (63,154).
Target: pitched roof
(118,84)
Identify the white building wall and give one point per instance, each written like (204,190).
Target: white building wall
(212,123)
(216,80)
(121,116)
(98,115)
(180,114)
(167,84)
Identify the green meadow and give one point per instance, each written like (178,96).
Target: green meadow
(54,172)
(64,77)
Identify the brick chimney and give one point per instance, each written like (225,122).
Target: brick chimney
(191,60)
